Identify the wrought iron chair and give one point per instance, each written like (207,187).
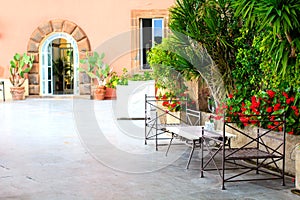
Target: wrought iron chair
(2,89)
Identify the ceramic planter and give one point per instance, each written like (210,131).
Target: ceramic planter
(110,93)
(99,92)
(17,93)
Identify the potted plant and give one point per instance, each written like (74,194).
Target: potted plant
(172,106)
(98,71)
(111,86)
(19,66)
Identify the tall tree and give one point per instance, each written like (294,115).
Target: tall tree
(213,25)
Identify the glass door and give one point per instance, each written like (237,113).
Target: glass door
(46,74)
(63,69)
(59,61)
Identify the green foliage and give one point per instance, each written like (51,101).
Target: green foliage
(281,45)
(282,15)
(267,60)
(19,66)
(165,57)
(145,76)
(255,45)
(113,80)
(247,75)
(96,68)
(123,79)
(213,25)
(161,61)
(168,67)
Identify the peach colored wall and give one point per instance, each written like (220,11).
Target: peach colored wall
(99,19)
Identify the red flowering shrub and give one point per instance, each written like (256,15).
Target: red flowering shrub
(271,93)
(171,102)
(172,105)
(265,103)
(176,100)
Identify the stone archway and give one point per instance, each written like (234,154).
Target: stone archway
(35,41)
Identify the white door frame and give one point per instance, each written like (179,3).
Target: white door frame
(43,57)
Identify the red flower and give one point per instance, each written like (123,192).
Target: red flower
(271,93)
(277,106)
(253,99)
(217,110)
(244,119)
(228,119)
(291,132)
(296,110)
(272,118)
(230,96)
(285,94)
(254,104)
(243,109)
(245,124)
(218,117)
(173,105)
(164,97)
(165,103)
(269,109)
(253,121)
(269,126)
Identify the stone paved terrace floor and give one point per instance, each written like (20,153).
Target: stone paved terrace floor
(73,149)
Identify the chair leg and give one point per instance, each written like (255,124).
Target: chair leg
(170,144)
(191,154)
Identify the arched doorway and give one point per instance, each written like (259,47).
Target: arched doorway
(59,58)
(53,38)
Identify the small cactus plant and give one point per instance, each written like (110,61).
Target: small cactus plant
(96,68)
(19,66)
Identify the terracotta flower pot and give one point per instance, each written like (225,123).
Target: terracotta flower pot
(17,93)
(110,93)
(99,92)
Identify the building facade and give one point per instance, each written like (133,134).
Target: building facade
(60,33)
